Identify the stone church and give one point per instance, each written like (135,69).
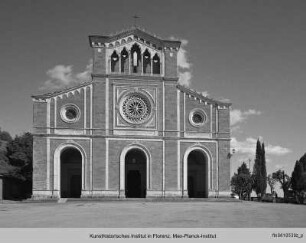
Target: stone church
(132,131)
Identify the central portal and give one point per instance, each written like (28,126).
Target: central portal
(135,174)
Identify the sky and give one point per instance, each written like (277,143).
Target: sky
(251,53)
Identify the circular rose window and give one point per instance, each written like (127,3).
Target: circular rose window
(70,113)
(197,117)
(135,108)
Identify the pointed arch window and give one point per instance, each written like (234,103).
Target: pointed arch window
(114,62)
(124,61)
(146,62)
(136,59)
(156,64)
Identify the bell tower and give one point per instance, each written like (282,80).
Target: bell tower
(134,52)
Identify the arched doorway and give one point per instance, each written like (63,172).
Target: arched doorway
(135,174)
(71,173)
(197,175)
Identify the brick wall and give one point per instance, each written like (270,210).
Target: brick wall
(224,120)
(39,163)
(88,109)
(39,117)
(224,166)
(170,109)
(170,63)
(99,156)
(171,165)
(1,188)
(99,60)
(192,104)
(98,109)
(77,99)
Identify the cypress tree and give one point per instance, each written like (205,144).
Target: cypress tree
(260,171)
(257,169)
(263,171)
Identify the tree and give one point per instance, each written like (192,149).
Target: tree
(5,136)
(20,154)
(243,169)
(298,179)
(16,160)
(271,181)
(6,168)
(259,170)
(263,170)
(285,181)
(296,175)
(241,182)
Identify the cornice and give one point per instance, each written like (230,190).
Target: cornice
(135,33)
(60,92)
(202,98)
(134,77)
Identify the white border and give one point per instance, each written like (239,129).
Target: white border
(208,156)
(57,165)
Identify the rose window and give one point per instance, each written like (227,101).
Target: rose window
(197,117)
(70,113)
(136,108)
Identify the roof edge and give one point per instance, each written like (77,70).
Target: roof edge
(56,93)
(200,96)
(102,39)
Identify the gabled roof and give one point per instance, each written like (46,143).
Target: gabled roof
(136,32)
(60,92)
(199,96)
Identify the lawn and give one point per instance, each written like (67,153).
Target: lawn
(144,214)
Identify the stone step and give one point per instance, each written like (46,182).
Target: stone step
(113,199)
(62,200)
(154,199)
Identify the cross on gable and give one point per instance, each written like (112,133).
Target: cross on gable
(135,17)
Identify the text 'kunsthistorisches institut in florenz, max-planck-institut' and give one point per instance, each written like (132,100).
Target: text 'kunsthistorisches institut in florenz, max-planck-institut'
(132,131)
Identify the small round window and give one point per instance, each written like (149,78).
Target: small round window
(70,113)
(197,117)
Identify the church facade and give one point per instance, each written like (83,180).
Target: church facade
(132,131)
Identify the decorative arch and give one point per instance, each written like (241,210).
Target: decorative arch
(114,62)
(146,61)
(156,64)
(208,156)
(136,58)
(57,164)
(124,56)
(122,164)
